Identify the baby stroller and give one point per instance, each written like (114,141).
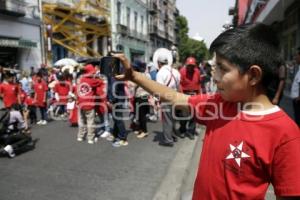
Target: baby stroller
(12,140)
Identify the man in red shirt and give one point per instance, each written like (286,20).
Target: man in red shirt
(9,91)
(40,88)
(190,85)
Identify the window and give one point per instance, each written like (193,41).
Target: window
(128,17)
(142,24)
(119,12)
(135,20)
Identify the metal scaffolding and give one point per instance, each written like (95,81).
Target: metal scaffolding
(76,25)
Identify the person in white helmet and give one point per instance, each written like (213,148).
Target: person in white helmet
(169,77)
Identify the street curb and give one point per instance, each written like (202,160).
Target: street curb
(188,182)
(178,174)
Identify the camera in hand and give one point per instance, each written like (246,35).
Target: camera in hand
(110,66)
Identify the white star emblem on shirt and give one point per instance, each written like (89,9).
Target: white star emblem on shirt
(237,154)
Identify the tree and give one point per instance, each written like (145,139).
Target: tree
(188,46)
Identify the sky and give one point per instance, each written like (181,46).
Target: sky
(205,17)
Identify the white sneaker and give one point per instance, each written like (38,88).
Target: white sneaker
(119,143)
(79,139)
(10,151)
(91,141)
(153,118)
(39,122)
(96,139)
(110,138)
(105,134)
(44,122)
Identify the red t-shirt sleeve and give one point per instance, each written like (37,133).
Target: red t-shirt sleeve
(286,169)
(204,106)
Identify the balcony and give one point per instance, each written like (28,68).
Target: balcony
(167,35)
(176,12)
(153,30)
(166,17)
(122,29)
(14,8)
(153,8)
(142,37)
(133,34)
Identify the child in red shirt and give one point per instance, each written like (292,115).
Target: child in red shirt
(40,88)
(61,90)
(249,142)
(9,91)
(30,104)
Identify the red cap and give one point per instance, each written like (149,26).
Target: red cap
(190,61)
(89,69)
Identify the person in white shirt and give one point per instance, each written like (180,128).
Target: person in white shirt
(169,77)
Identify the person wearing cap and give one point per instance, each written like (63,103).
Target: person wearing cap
(86,97)
(9,91)
(169,77)
(190,85)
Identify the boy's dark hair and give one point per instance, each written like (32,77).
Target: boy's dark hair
(39,74)
(16,106)
(250,44)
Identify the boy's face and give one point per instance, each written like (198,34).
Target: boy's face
(231,84)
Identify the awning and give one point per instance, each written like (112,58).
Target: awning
(17,43)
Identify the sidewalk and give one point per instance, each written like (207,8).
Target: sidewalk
(179,178)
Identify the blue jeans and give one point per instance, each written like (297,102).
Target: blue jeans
(119,130)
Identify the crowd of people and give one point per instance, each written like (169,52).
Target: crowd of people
(93,101)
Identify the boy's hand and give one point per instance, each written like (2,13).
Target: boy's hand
(128,71)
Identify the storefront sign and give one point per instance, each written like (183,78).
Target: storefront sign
(15,43)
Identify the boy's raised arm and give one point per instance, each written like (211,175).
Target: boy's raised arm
(164,93)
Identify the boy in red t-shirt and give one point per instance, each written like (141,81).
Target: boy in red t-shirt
(61,90)
(249,142)
(40,88)
(30,103)
(9,91)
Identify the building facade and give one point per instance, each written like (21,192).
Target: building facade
(76,28)
(139,27)
(130,28)
(162,23)
(20,33)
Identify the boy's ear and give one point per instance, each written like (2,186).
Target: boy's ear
(255,75)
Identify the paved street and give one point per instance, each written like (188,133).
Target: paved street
(62,168)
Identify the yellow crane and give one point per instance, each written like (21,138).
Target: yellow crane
(77,25)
